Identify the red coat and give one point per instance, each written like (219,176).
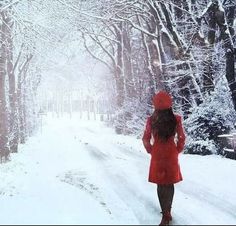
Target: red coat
(164,166)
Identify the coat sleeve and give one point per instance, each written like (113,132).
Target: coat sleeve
(180,135)
(147,136)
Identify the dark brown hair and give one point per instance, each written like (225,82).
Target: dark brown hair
(163,123)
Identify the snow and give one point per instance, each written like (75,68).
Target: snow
(229,149)
(80,172)
(227,135)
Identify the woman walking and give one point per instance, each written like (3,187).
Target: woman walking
(161,128)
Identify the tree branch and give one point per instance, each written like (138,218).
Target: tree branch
(92,54)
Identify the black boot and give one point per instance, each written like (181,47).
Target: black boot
(166,218)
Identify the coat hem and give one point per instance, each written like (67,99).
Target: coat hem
(161,183)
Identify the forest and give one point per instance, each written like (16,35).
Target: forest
(186,47)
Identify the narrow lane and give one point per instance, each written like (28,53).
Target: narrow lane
(81,172)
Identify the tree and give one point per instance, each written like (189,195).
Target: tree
(217,17)
(4,150)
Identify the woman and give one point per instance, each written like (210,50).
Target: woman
(162,127)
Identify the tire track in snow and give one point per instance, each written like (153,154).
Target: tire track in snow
(85,181)
(202,194)
(144,208)
(96,153)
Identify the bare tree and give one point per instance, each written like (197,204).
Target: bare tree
(217,19)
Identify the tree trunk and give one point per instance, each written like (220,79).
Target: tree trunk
(13,117)
(21,98)
(118,68)
(172,40)
(21,107)
(229,50)
(230,16)
(128,71)
(4,150)
(149,59)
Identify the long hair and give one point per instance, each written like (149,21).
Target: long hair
(163,123)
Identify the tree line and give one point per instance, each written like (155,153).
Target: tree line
(186,47)
(21,62)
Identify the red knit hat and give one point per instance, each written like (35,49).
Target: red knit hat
(162,100)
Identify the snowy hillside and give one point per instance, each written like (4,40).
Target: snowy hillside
(80,172)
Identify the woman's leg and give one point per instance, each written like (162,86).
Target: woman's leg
(165,195)
(160,194)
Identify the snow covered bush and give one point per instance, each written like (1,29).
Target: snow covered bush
(213,117)
(131,118)
(139,111)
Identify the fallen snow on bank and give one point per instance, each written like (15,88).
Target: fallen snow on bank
(81,172)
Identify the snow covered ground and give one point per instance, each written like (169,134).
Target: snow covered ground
(81,172)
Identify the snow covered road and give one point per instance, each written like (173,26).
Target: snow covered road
(81,172)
